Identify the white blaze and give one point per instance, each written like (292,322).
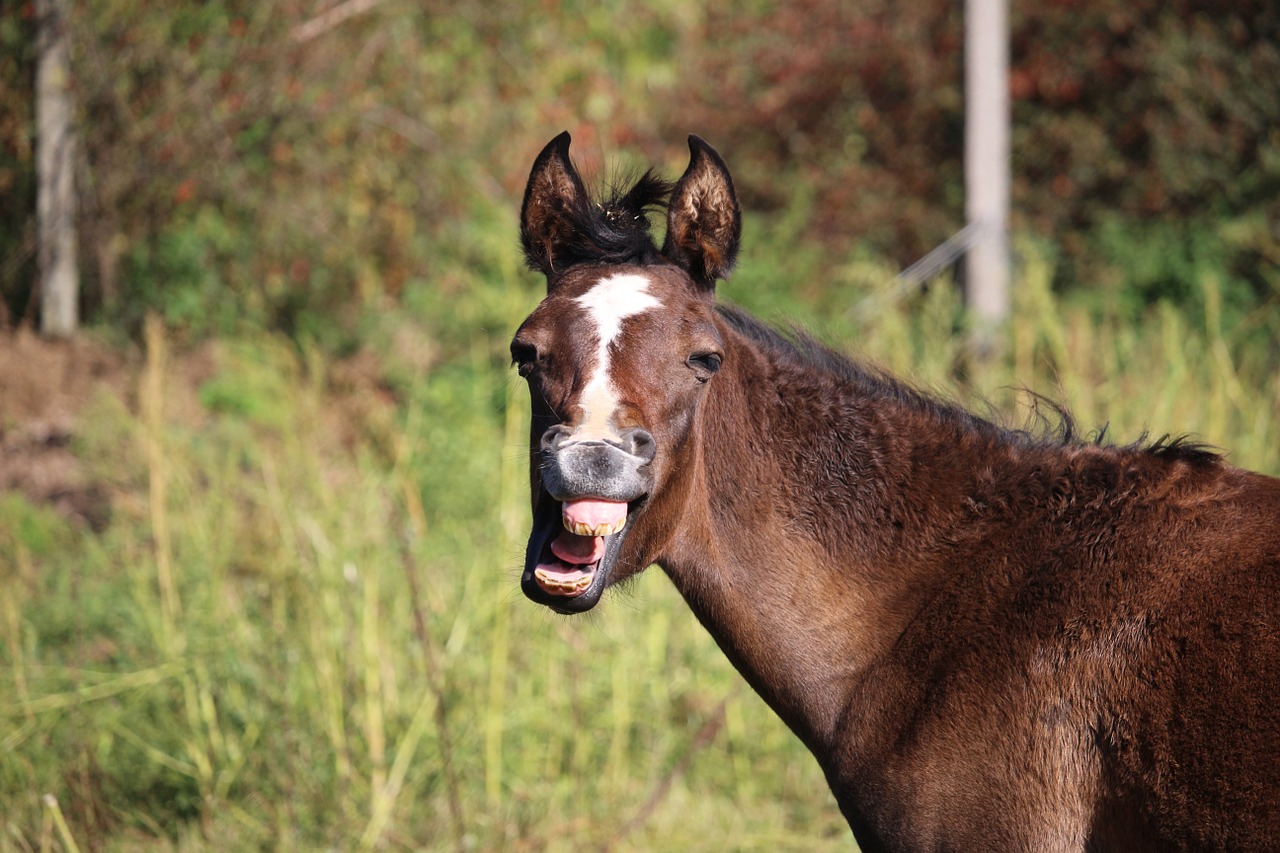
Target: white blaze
(608,303)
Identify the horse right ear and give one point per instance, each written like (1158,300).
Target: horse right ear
(555,202)
(704,223)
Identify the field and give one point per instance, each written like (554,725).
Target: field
(262,523)
(265,596)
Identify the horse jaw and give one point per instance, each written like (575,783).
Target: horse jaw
(572,550)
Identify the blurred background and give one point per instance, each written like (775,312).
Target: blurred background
(262,516)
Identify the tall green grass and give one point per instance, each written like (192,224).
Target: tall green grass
(302,627)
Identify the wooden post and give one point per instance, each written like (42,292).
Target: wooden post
(986,164)
(55,168)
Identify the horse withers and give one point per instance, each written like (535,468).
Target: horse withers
(989,640)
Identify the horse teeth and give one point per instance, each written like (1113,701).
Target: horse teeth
(604,528)
(554,584)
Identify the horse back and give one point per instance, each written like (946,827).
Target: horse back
(1120,650)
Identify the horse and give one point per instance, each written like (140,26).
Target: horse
(989,638)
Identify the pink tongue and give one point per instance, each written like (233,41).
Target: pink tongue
(593,513)
(578,550)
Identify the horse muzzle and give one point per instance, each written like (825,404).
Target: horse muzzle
(588,489)
(594,468)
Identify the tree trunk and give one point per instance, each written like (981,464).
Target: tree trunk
(55,165)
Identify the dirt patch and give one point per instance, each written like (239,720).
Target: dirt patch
(44,385)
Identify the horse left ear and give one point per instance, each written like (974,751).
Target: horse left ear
(704,223)
(555,205)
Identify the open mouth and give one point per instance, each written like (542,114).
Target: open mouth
(573,545)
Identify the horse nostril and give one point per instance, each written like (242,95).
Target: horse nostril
(554,437)
(639,442)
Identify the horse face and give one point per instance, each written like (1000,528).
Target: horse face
(617,358)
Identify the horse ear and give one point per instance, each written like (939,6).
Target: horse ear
(554,202)
(704,223)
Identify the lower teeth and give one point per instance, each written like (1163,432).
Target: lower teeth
(565,586)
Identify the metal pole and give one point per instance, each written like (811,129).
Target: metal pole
(986,162)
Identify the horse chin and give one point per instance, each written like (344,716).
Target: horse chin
(566,587)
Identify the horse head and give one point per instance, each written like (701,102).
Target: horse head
(618,357)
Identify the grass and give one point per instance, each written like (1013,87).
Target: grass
(302,628)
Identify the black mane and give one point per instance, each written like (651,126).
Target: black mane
(614,229)
(1056,428)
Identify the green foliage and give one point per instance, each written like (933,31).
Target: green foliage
(254,382)
(178,274)
(1171,261)
(31,530)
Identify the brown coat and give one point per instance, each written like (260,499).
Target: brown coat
(989,640)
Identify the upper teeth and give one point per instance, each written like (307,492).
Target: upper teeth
(604,528)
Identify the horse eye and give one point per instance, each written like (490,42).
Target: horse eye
(704,364)
(524,357)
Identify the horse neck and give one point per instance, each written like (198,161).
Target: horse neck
(813,528)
